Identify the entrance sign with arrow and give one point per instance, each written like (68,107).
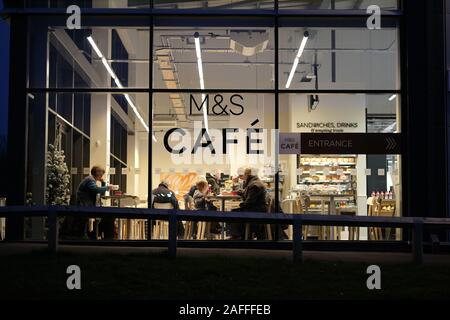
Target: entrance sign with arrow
(340,143)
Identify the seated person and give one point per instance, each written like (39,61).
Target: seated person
(214,181)
(88,189)
(188,197)
(253,200)
(202,203)
(87,193)
(163,194)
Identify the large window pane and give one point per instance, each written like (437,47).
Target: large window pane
(337,4)
(101,4)
(100,133)
(339,58)
(183,156)
(347,184)
(214,4)
(103,56)
(231,57)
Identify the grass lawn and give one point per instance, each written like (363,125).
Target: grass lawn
(150,276)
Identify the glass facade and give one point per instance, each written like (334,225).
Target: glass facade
(179,97)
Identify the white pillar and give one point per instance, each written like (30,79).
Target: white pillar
(101,108)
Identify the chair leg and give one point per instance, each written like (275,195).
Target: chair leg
(268,232)
(207,230)
(247,231)
(187,230)
(200,230)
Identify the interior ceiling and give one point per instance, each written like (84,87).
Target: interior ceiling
(223,67)
(230,66)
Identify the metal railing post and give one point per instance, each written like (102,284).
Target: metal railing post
(417,244)
(172,234)
(53,229)
(149,229)
(297,239)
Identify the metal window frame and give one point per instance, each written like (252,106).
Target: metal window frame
(276,14)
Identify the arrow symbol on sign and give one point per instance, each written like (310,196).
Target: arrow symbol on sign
(391,143)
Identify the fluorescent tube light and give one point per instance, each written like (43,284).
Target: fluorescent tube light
(118,83)
(198,52)
(297,59)
(392,97)
(109,69)
(95,47)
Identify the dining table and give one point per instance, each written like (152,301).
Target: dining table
(223,198)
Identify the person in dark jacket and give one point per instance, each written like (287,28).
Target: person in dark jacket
(213,182)
(88,190)
(201,202)
(200,197)
(87,196)
(163,194)
(254,199)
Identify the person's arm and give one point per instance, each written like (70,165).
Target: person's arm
(252,199)
(92,187)
(174,201)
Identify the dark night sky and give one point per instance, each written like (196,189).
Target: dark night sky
(4,73)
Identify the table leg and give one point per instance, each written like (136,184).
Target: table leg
(223,223)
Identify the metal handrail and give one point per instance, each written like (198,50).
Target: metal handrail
(173,216)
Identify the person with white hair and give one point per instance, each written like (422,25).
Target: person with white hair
(254,198)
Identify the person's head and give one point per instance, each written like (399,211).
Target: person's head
(97,172)
(241,172)
(202,186)
(218,174)
(249,172)
(164,183)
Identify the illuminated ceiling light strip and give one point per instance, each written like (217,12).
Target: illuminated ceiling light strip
(95,47)
(138,115)
(297,59)
(198,52)
(109,69)
(392,97)
(117,82)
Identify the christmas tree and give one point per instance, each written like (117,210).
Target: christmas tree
(58,177)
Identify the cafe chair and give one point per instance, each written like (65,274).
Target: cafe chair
(378,232)
(132,229)
(189,225)
(161,228)
(299,205)
(353,232)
